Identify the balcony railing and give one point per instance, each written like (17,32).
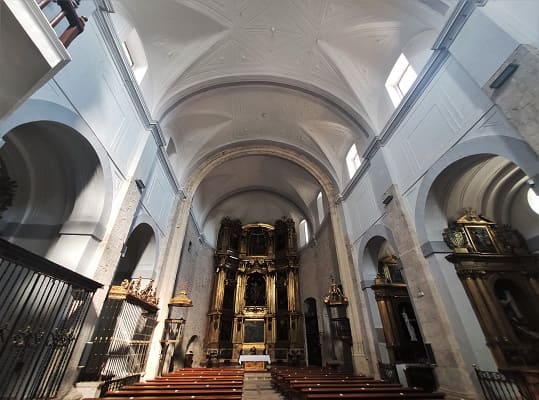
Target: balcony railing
(388,372)
(63,17)
(496,386)
(42,309)
(121,340)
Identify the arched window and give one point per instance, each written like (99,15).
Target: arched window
(135,55)
(303,233)
(400,80)
(353,161)
(320,207)
(533,201)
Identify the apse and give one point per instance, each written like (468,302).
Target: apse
(253,189)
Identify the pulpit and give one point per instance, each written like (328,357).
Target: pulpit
(255,362)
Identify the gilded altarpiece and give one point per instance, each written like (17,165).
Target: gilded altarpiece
(500,277)
(255,304)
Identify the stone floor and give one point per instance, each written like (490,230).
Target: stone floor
(257,385)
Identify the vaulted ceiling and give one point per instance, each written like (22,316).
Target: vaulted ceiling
(306,74)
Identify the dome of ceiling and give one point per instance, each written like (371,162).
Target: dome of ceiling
(305,75)
(338,48)
(235,114)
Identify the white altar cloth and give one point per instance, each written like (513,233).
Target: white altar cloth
(253,357)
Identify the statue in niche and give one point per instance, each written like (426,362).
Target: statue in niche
(514,314)
(409,326)
(255,291)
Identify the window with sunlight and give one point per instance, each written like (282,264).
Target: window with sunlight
(353,161)
(533,201)
(400,80)
(134,55)
(128,55)
(303,233)
(320,207)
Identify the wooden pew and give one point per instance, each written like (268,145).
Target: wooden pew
(200,397)
(173,392)
(201,384)
(373,396)
(300,393)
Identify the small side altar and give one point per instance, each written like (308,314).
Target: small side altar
(252,362)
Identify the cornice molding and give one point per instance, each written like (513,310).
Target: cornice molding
(456,21)
(112,43)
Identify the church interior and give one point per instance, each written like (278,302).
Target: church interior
(243,187)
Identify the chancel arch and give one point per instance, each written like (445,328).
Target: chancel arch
(326,181)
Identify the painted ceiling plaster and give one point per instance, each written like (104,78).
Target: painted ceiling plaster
(307,74)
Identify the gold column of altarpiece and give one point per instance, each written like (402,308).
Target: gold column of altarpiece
(499,275)
(255,304)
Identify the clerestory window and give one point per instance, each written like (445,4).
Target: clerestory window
(353,161)
(400,80)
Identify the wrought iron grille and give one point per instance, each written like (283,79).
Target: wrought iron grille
(388,372)
(496,386)
(121,340)
(341,328)
(42,309)
(117,384)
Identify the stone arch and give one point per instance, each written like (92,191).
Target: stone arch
(329,187)
(488,174)
(199,171)
(356,114)
(63,201)
(377,233)
(469,152)
(138,256)
(370,246)
(41,110)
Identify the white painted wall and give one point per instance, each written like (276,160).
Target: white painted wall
(90,96)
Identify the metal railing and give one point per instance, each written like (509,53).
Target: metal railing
(341,328)
(117,384)
(388,372)
(496,386)
(121,340)
(66,22)
(42,309)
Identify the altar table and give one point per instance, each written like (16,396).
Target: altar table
(254,362)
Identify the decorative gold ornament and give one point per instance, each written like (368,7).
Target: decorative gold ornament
(181,300)
(133,288)
(335,296)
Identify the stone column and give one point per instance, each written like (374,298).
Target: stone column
(167,277)
(518,97)
(357,304)
(108,254)
(452,372)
